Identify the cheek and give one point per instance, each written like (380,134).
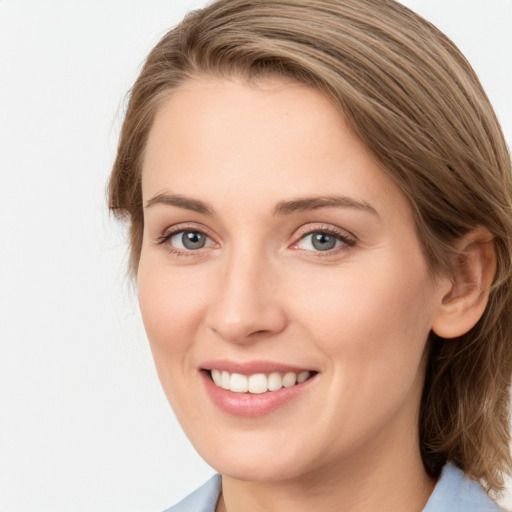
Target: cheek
(375,320)
(372,332)
(171,305)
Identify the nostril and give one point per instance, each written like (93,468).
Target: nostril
(259,333)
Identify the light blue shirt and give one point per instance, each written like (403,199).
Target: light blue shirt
(454,492)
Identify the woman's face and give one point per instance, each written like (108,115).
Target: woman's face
(277,254)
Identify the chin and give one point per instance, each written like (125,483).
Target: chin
(257,463)
(269,470)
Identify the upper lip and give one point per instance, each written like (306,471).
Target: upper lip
(251,367)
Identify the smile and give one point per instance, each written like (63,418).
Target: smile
(257,383)
(254,389)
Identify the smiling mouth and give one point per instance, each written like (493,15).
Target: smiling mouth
(257,383)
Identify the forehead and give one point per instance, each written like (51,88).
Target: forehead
(268,140)
(234,119)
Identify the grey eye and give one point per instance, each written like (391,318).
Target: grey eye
(189,240)
(193,240)
(320,241)
(323,241)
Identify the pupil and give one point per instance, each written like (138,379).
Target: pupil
(323,241)
(193,240)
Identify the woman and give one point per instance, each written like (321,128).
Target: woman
(319,204)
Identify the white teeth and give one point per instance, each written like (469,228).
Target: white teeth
(289,379)
(217,377)
(239,383)
(275,381)
(225,380)
(302,376)
(257,383)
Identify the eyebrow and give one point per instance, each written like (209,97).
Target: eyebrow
(181,202)
(315,203)
(282,208)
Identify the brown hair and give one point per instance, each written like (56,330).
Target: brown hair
(416,103)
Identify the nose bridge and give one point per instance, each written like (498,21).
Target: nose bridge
(246,301)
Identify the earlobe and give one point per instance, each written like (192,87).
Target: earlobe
(464,298)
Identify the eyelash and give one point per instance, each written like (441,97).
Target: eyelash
(347,240)
(166,237)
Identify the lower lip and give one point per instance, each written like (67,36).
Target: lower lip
(252,405)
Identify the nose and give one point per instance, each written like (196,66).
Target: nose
(246,305)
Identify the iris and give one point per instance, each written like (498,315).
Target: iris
(193,240)
(323,241)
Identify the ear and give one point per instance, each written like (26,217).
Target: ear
(464,295)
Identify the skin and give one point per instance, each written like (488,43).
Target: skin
(359,315)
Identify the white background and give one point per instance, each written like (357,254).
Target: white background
(84,426)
